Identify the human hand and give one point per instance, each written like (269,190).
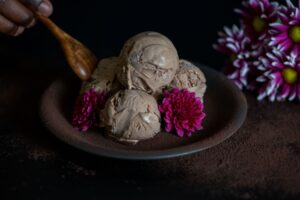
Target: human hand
(16,15)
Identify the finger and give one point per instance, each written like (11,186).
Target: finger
(44,7)
(16,12)
(10,28)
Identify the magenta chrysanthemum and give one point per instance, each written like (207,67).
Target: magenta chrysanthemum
(235,44)
(86,107)
(281,76)
(257,16)
(286,33)
(182,111)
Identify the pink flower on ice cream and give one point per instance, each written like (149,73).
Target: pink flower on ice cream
(182,111)
(86,107)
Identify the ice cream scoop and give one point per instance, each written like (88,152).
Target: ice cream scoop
(189,77)
(131,116)
(104,76)
(149,61)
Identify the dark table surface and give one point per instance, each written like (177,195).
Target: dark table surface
(260,161)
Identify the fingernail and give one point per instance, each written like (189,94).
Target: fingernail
(19,30)
(31,24)
(45,9)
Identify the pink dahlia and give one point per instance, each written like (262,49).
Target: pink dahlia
(235,44)
(286,33)
(86,107)
(257,16)
(280,77)
(182,111)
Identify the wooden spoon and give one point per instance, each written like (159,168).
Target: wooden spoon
(79,57)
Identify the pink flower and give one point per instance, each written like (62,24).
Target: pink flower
(257,16)
(182,111)
(235,44)
(286,32)
(86,107)
(280,79)
(257,53)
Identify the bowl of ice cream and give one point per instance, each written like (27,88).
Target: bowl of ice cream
(121,110)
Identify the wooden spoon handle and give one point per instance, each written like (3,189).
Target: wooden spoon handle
(80,58)
(55,30)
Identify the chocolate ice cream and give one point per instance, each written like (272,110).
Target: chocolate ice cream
(130,116)
(104,76)
(149,61)
(190,77)
(147,64)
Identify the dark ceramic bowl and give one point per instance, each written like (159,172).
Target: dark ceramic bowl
(225,108)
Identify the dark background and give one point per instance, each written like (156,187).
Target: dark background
(104,26)
(35,165)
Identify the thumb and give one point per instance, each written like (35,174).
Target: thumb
(43,7)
